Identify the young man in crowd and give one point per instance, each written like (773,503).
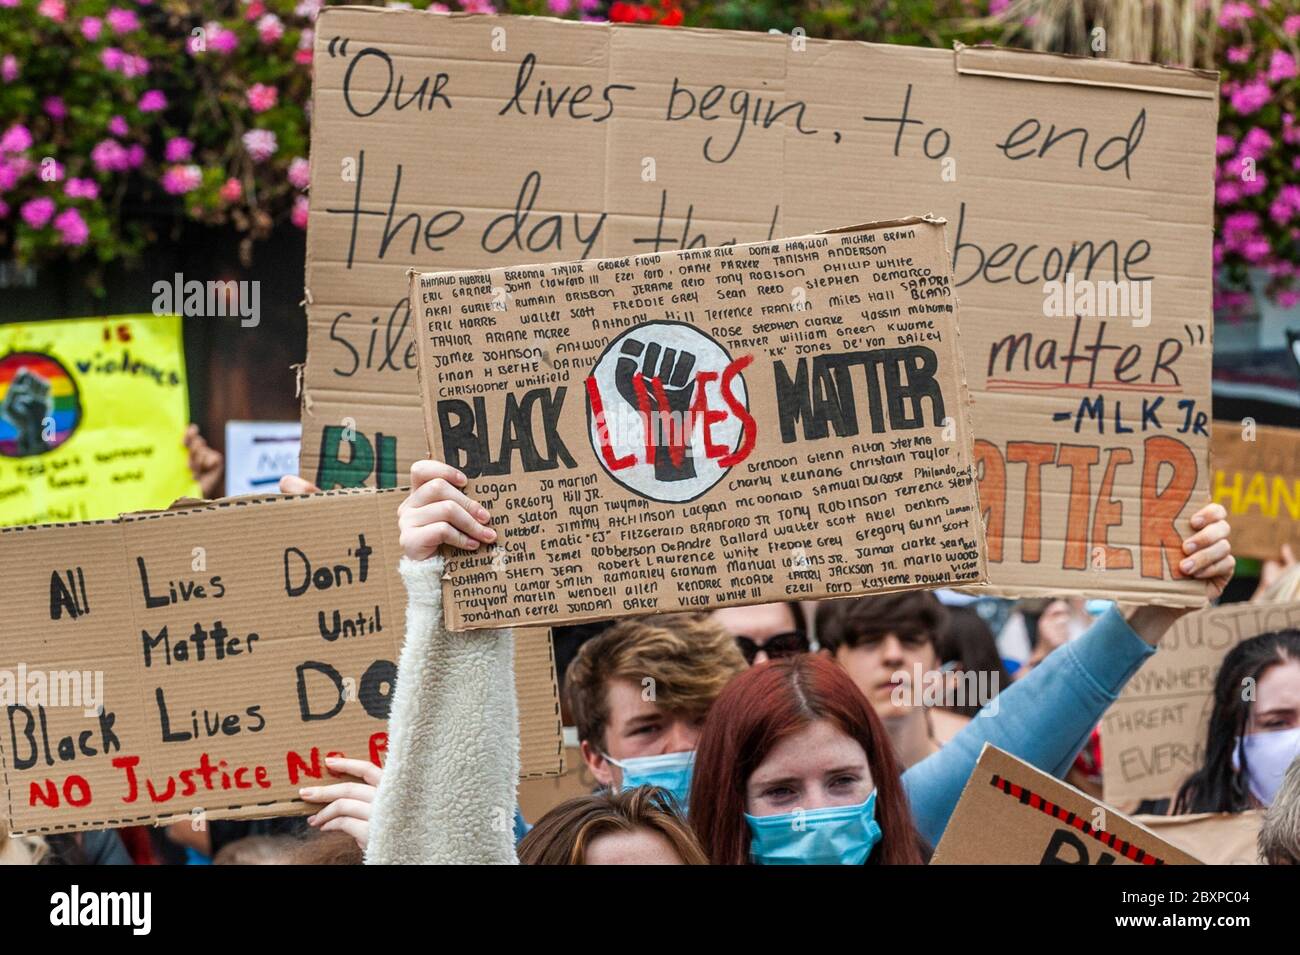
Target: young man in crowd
(638,694)
(888,645)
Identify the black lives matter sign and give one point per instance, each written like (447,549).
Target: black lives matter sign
(704,428)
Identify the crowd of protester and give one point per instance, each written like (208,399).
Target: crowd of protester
(805,732)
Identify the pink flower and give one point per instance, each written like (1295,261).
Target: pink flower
(4,209)
(56,10)
(1288,297)
(112,58)
(302,57)
(260,143)
(1281,67)
(122,21)
(152,101)
(117,126)
(54,107)
(9,3)
(262,97)
(72,227)
(135,156)
(178,149)
(305,38)
(51,170)
(231,190)
(81,189)
(255,9)
(308,9)
(1238,54)
(1249,97)
(1291,25)
(1224,145)
(133,66)
(998,6)
(299,214)
(1255,185)
(270,29)
(178,180)
(300,173)
(1235,14)
(9,68)
(477,6)
(15,139)
(37,212)
(558,7)
(91,27)
(1256,142)
(108,155)
(11,171)
(1227,193)
(222,40)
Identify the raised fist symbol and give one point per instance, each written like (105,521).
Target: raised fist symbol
(673,369)
(26,406)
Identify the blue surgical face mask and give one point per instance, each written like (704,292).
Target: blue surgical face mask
(1267,755)
(835,835)
(670,771)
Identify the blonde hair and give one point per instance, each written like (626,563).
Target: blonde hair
(688,656)
(1285,589)
(1279,835)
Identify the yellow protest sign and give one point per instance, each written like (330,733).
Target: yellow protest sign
(93,412)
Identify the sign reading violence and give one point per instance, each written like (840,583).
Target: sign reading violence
(203,662)
(1079,195)
(1012,814)
(1153,736)
(707,427)
(76,442)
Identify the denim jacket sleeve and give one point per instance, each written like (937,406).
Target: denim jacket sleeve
(1043,719)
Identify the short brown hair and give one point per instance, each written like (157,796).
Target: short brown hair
(564,835)
(688,656)
(847,623)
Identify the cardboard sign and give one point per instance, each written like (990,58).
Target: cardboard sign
(1258,482)
(1012,814)
(259,453)
(1216,838)
(206,660)
(687,430)
(1079,196)
(93,413)
(1153,736)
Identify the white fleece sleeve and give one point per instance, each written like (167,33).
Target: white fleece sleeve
(448,790)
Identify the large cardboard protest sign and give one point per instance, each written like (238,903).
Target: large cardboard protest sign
(206,660)
(702,428)
(1078,192)
(1257,479)
(93,413)
(1010,813)
(1153,736)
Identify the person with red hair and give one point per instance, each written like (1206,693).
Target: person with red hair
(794,766)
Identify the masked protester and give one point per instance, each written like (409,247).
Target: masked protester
(1254,730)
(448,797)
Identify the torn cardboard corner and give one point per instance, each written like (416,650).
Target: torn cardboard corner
(704,428)
(1257,480)
(204,661)
(1153,735)
(1010,813)
(581,141)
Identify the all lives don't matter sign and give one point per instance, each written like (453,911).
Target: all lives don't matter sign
(705,427)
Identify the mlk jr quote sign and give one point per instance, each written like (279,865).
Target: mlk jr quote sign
(462,142)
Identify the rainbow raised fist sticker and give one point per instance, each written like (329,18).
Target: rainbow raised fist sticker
(40,406)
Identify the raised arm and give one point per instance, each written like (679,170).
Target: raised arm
(447,793)
(1046,718)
